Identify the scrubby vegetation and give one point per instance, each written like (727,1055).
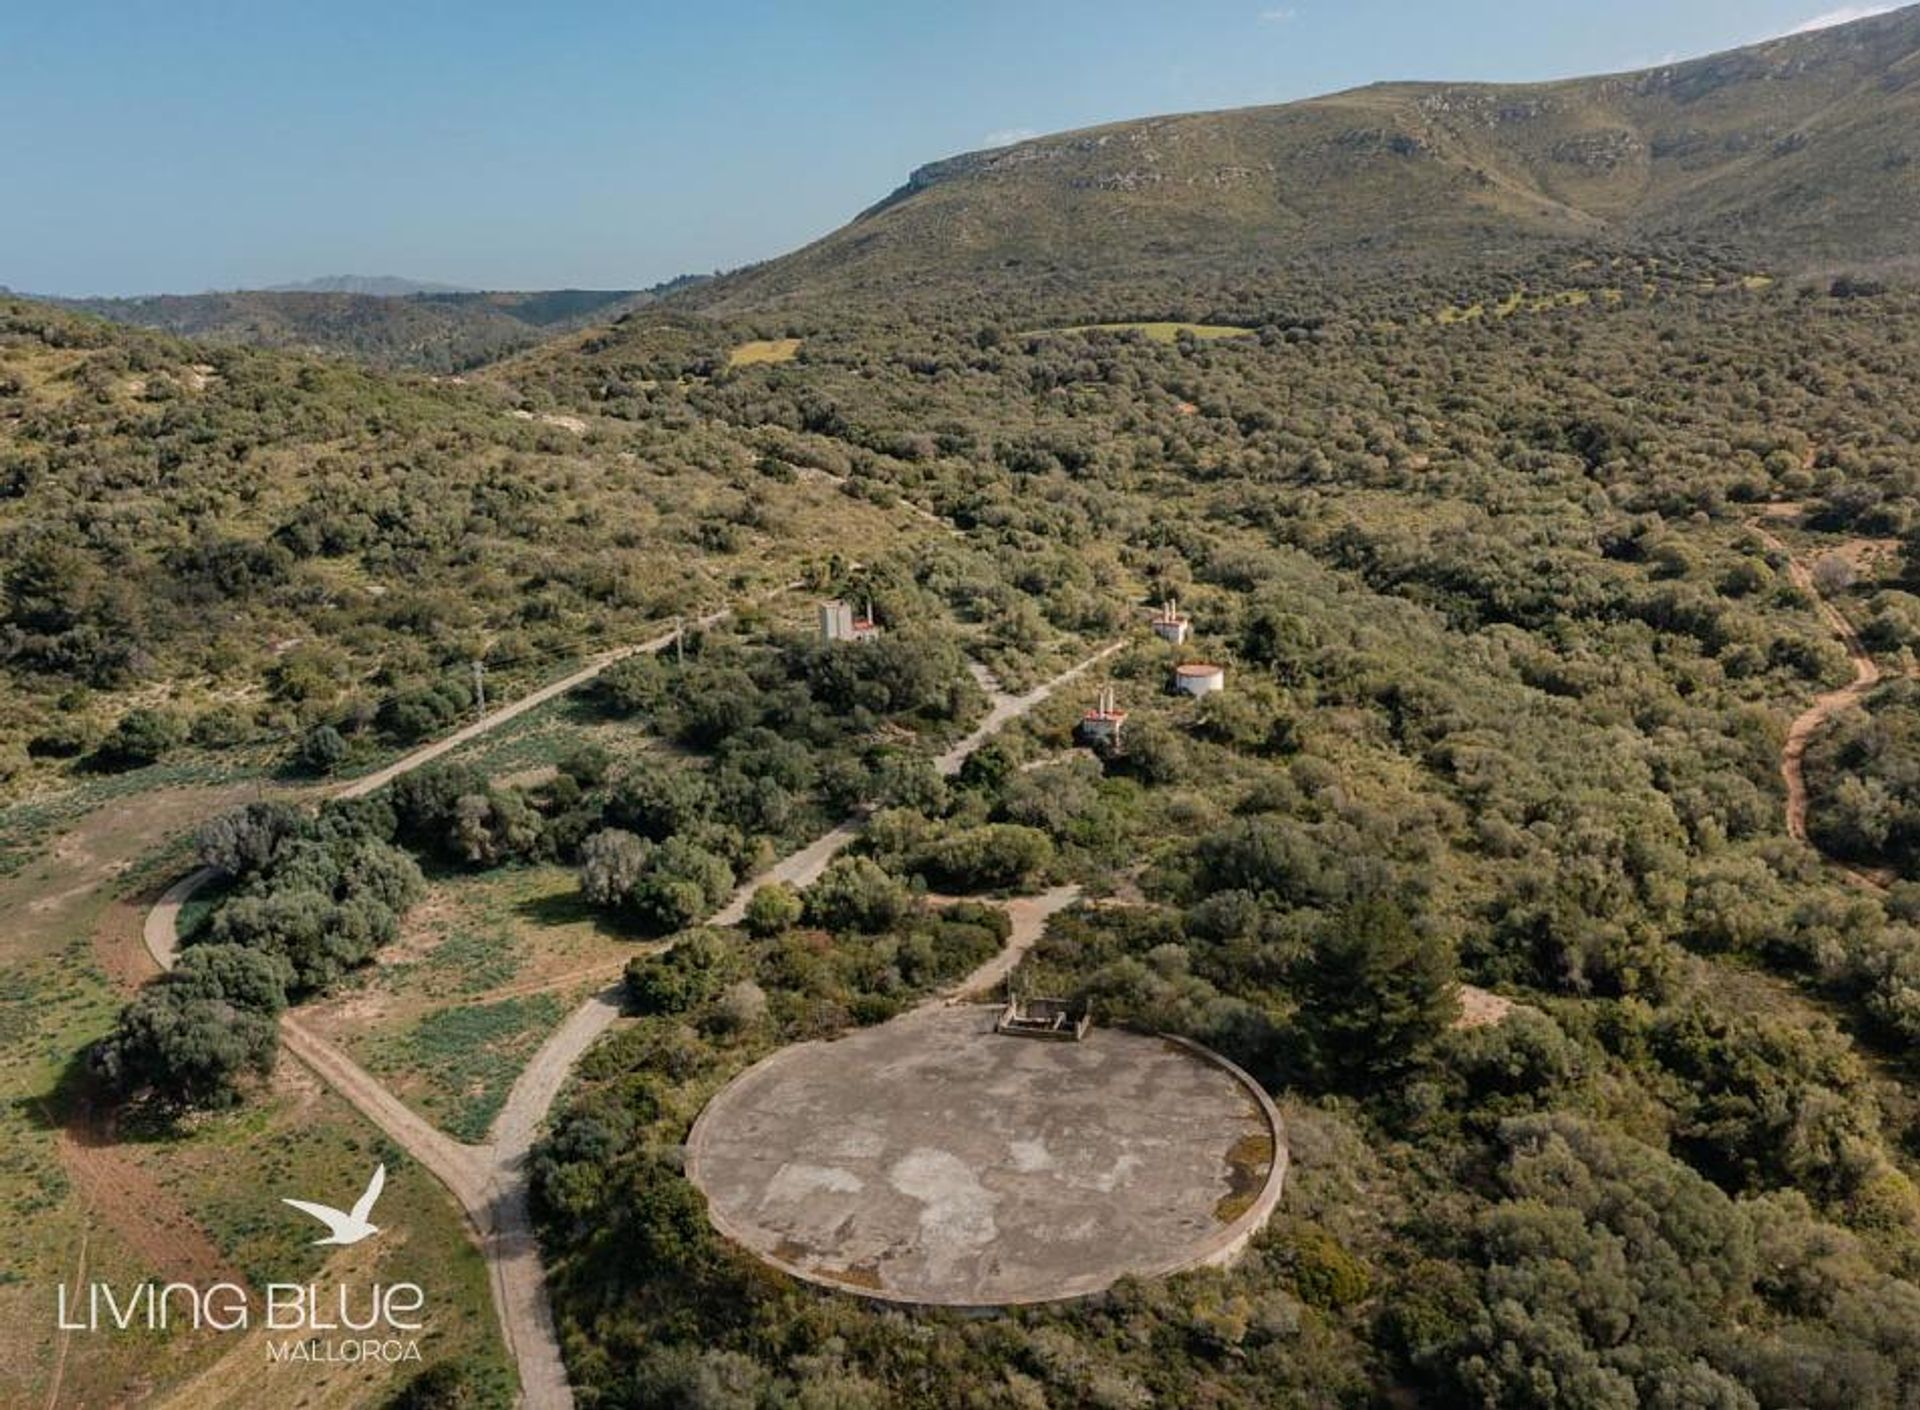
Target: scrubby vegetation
(1864,777)
(1509,671)
(1510,656)
(250,560)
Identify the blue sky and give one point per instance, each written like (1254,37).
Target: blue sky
(195,144)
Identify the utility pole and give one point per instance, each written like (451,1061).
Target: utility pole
(479,688)
(679,641)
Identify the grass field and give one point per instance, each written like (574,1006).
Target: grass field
(485,968)
(460,1062)
(764,350)
(81,1205)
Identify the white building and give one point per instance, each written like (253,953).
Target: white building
(1170,624)
(1101,725)
(837,623)
(1199,678)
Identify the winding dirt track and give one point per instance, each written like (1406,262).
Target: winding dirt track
(1866,675)
(489,1180)
(1029,915)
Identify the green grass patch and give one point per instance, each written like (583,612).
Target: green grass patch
(468,1057)
(198,909)
(472,960)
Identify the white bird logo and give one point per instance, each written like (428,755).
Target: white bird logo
(351,1227)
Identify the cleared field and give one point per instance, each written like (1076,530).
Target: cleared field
(86,1202)
(485,968)
(1156,332)
(764,350)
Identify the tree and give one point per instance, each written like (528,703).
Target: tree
(775,907)
(742,1005)
(248,839)
(140,738)
(323,749)
(658,802)
(688,973)
(611,864)
(683,881)
(493,825)
(634,686)
(251,979)
(999,855)
(195,1032)
(1376,994)
(669,884)
(853,893)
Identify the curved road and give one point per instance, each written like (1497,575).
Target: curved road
(490,1180)
(1866,675)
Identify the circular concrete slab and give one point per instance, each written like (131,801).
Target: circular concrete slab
(930,1160)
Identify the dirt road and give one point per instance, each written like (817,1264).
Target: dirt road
(487,1180)
(1005,708)
(490,1180)
(1029,915)
(162,924)
(1866,675)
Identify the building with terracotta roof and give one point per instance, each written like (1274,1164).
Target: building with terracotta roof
(837,623)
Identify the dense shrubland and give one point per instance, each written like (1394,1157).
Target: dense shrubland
(210,553)
(310,897)
(1510,669)
(1864,777)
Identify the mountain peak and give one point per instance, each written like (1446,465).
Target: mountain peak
(1799,153)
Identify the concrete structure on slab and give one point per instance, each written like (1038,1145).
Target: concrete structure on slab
(1171,624)
(838,623)
(930,1161)
(1101,725)
(1059,1020)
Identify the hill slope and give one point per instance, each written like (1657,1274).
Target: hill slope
(1801,151)
(436,332)
(383,285)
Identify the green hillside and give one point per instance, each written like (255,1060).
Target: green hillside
(1537,463)
(1801,152)
(433,332)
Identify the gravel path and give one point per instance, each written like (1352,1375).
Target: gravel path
(490,1180)
(1006,708)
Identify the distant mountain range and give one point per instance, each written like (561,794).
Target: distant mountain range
(385,286)
(434,330)
(1798,155)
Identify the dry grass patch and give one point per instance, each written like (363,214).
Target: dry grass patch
(764,350)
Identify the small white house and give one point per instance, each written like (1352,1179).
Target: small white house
(1170,624)
(837,623)
(1101,725)
(1197,678)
